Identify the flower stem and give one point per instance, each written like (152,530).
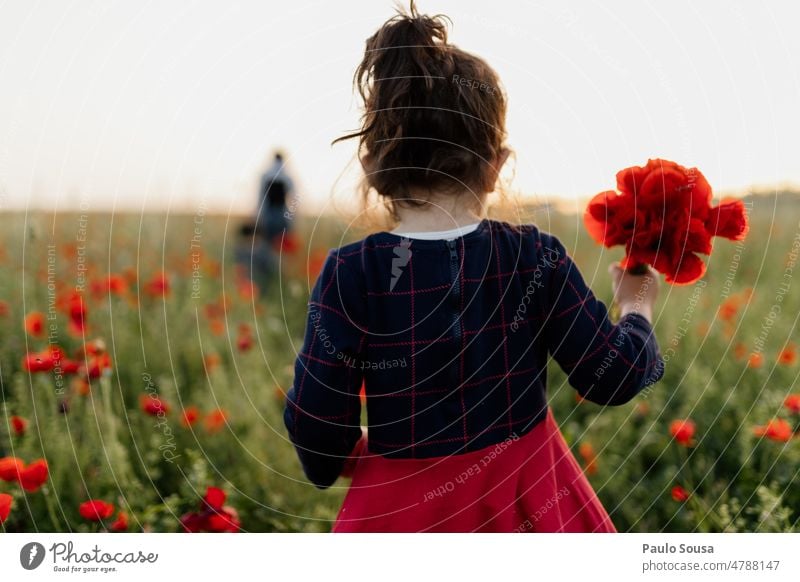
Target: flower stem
(50,509)
(697,502)
(638,269)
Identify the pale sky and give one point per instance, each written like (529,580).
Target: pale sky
(173,105)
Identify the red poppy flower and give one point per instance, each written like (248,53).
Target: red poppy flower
(226,520)
(792,403)
(44,361)
(244,342)
(756,360)
(192,522)
(158,285)
(680,494)
(38,362)
(95,510)
(729,308)
(663,216)
(97,365)
(586,451)
(34,324)
(5,309)
(215,420)
(154,406)
(777,430)
(19,425)
(214,515)
(191,414)
(217,327)
(10,468)
(73,305)
(77,312)
(68,367)
(214,497)
(110,285)
(788,355)
(34,475)
(121,523)
(5,506)
(682,431)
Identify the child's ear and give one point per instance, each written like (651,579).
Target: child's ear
(502,159)
(499,162)
(366,161)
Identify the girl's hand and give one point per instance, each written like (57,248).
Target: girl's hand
(634,293)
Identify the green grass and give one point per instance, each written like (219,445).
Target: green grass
(105,447)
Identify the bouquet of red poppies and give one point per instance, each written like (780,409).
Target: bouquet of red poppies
(663,216)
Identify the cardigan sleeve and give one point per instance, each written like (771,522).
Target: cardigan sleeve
(606,363)
(323,407)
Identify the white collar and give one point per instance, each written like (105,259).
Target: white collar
(440,234)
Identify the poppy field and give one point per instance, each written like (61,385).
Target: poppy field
(143,377)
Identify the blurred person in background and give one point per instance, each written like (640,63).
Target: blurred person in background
(274,219)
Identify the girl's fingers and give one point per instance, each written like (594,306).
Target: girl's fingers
(616,272)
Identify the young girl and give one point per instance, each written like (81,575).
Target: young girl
(449,321)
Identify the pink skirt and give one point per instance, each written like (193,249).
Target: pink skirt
(526,484)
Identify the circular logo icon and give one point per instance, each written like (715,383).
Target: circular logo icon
(31,555)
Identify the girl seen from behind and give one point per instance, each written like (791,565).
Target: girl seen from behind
(448,321)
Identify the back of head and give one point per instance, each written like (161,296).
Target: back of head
(434,115)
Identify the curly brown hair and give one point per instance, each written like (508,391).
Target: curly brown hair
(434,115)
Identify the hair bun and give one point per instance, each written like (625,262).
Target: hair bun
(407,45)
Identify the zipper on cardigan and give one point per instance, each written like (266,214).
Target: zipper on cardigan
(455,295)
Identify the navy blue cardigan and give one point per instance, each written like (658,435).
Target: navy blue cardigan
(451,339)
